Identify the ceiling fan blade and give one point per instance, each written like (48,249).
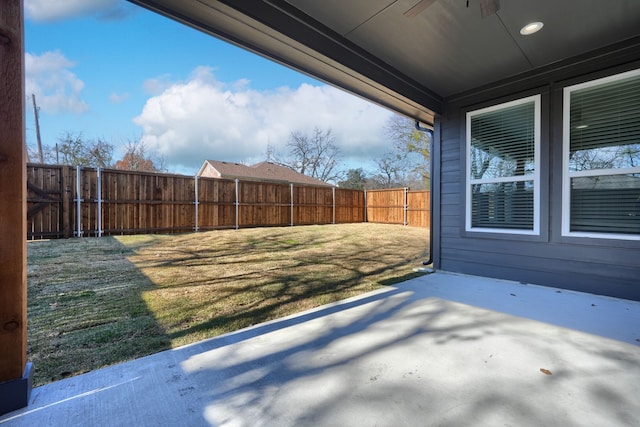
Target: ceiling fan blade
(418,8)
(489,7)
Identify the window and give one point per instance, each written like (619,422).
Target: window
(601,158)
(503,152)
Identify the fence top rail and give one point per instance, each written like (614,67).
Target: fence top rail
(132,200)
(43,165)
(251,181)
(142,173)
(379,190)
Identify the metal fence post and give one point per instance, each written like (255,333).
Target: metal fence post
(237,204)
(99,195)
(291,222)
(79,200)
(405,205)
(333,196)
(196,203)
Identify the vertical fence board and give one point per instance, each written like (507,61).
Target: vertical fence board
(216,198)
(312,205)
(349,206)
(141,202)
(45,195)
(418,209)
(387,206)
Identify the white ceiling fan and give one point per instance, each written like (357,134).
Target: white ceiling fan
(487,7)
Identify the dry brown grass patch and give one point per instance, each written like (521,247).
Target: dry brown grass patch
(94,302)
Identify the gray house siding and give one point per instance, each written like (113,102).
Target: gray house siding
(595,265)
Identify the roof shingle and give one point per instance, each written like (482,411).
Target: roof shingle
(263,171)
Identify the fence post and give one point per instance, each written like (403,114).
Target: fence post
(237,204)
(64,194)
(333,196)
(291,222)
(79,200)
(99,195)
(196,203)
(16,374)
(365,205)
(405,205)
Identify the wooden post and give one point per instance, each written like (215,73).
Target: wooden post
(15,385)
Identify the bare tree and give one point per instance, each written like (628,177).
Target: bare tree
(272,156)
(411,144)
(391,171)
(315,155)
(74,150)
(616,156)
(48,154)
(136,158)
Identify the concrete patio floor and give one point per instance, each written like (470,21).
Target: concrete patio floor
(441,350)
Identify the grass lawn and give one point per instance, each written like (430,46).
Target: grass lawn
(98,301)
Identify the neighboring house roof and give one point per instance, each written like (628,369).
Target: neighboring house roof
(263,171)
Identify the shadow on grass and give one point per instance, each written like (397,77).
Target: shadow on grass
(85,308)
(97,302)
(410,354)
(213,285)
(282,303)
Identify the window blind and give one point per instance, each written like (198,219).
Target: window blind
(604,157)
(501,167)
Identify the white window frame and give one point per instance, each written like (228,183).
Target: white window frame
(535,176)
(567,174)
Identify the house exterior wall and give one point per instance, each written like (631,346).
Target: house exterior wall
(596,265)
(210,172)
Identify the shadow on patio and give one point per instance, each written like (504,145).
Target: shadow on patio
(443,349)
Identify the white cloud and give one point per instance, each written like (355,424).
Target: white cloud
(54,10)
(57,89)
(117,98)
(203,118)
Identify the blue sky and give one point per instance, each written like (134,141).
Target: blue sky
(109,69)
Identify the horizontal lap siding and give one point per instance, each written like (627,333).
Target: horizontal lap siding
(602,266)
(589,268)
(450,185)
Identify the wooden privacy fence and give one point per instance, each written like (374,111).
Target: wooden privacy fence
(66,201)
(398,206)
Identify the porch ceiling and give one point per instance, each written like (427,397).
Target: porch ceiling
(410,64)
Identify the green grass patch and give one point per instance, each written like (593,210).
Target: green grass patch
(98,301)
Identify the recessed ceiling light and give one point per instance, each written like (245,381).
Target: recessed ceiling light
(531,28)
(582,126)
